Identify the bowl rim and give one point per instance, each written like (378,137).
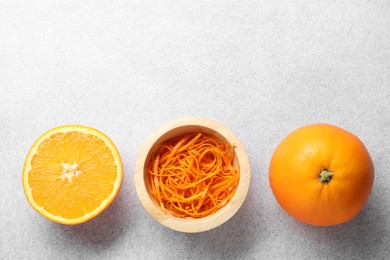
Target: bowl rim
(193,225)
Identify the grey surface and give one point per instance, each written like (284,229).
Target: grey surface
(261,68)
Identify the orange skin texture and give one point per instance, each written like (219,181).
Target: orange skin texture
(295,168)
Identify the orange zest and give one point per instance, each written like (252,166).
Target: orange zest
(193,175)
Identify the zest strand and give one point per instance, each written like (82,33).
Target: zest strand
(193,175)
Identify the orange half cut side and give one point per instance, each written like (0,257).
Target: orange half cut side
(72,173)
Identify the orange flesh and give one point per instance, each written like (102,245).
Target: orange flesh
(193,175)
(72,193)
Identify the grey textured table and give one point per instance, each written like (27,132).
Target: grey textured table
(261,68)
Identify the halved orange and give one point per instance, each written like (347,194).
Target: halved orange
(72,173)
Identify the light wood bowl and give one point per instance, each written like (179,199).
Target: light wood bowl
(176,128)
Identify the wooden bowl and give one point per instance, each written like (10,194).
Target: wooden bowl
(180,127)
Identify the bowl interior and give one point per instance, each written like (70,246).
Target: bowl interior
(181,130)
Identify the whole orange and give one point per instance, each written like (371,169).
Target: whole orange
(321,174)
